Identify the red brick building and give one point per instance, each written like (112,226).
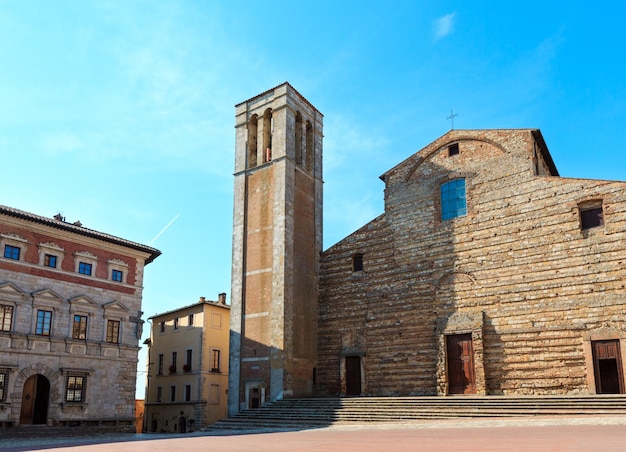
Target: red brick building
(70,322)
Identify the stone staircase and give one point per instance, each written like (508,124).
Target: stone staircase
(322,412)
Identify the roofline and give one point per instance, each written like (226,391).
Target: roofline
(69,227)
(206,302)
(276,87)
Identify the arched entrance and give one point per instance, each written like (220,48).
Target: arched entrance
(182,425)
(35,399)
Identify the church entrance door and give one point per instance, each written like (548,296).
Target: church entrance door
(461,376)
(353,375)
(607,366)
(35,398)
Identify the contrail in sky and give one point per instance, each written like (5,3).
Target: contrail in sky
(165,228)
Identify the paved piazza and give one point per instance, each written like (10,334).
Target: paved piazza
(604,434)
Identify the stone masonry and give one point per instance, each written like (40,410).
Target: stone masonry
(538,295)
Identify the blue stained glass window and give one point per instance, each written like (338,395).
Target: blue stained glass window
(453,202)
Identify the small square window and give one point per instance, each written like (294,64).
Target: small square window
(453,149)
(116,275)
(591,217)
(50,260)
(84,268)
(12,252)
(75,389)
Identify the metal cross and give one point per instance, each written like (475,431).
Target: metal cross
(451,117)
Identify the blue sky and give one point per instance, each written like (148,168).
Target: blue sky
(120,114)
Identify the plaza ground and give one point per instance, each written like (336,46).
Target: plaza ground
(604,434)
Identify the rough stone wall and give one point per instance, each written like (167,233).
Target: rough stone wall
(517,271)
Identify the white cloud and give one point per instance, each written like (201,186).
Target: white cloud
(444,25)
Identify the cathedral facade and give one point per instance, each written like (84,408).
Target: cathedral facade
(487,273)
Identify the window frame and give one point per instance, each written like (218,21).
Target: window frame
(117,275)
(85,268)
(75,392)
(50,260)
(43,320)
(596,219)
(4,308)
(172,393)
(160,361)
(188,393)
(113,326)
(449,199)
(4,384)
(216,359)
(12,252)
(80,327)
(357,262)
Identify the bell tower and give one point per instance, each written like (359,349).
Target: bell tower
(277,240)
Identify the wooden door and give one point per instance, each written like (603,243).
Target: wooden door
(460,353)
(353,375)
(35,399)
(28,400)
(607,366)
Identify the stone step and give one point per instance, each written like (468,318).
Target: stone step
(301,413)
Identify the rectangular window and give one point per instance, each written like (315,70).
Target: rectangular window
(160,365)
(44,320)
(79,329)
(159,394)
(176,323)
(187,367)
(187,393)
(50,261)
(84,268)
(453,149)
(174,358)
(172,393)
(453,202)
(190,320)
(113,331)
(162,327)
(6,317)
(357,263)
(215,360)
(75,388)
(12,252)
(4,384)
(591,217)
(116,275)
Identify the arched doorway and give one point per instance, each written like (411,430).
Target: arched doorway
(182,425)
(35,399)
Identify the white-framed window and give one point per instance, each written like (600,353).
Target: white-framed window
(117,270)
(51,255)
(85,263)
(13,246)
(6,317)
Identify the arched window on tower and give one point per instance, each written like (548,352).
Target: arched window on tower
(298,138)
(309,146)
(252,147)
(267,135)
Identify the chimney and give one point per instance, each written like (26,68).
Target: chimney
(221,298)
(201,300)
